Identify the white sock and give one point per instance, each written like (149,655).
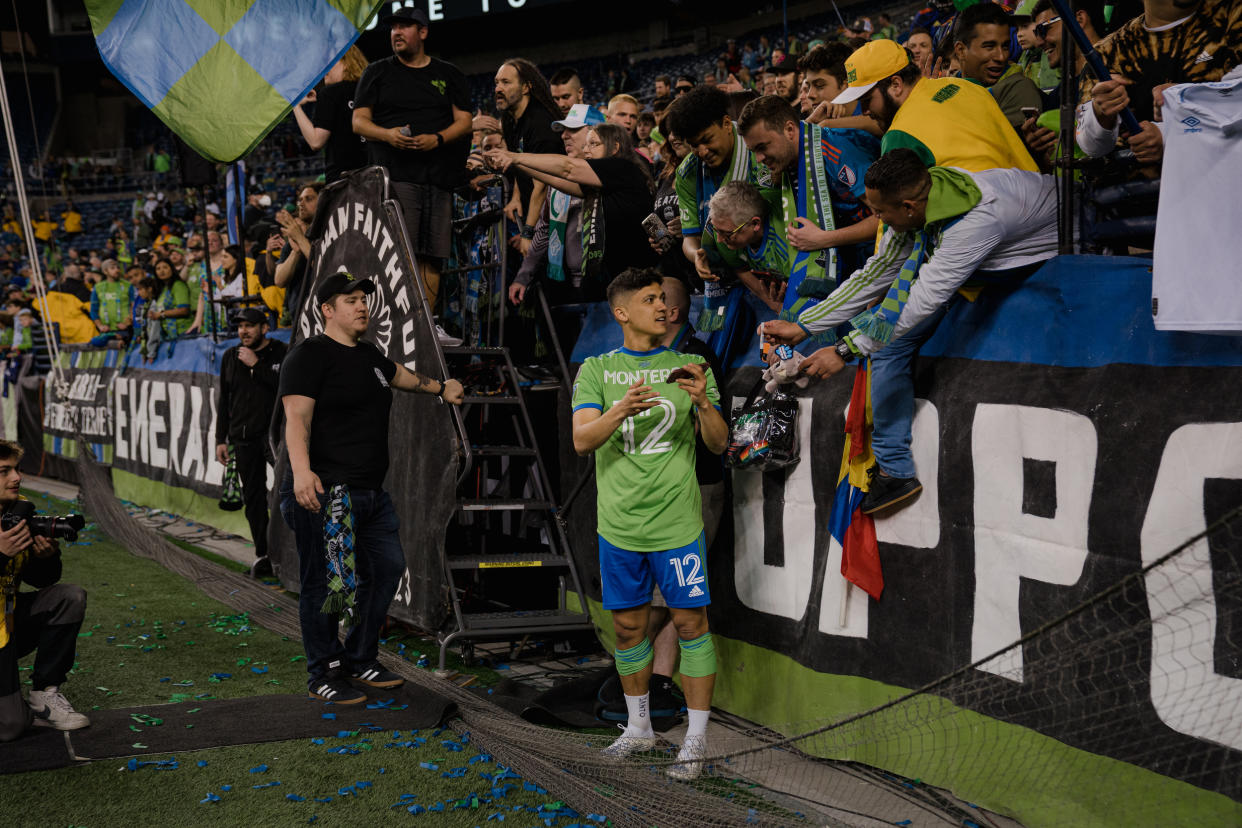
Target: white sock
(640,714)
(698,723)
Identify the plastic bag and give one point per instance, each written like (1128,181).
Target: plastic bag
(764,431)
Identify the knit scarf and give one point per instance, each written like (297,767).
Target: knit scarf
(593,237)
(953,194)
(812,273)
(558,219)
(338,542)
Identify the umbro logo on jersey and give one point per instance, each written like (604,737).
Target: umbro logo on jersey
(694,592)
(1191,124)
(1204,56)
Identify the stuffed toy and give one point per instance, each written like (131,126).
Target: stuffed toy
(785,370)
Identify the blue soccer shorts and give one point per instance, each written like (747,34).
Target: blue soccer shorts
(628,576)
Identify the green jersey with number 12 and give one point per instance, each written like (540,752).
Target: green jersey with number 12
(648,497)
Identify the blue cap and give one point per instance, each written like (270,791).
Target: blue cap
(579,115)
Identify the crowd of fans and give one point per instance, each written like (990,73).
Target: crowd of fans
(605,181)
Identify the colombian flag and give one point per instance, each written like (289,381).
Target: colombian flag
(860,554)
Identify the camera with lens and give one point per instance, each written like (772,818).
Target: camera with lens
(49,526)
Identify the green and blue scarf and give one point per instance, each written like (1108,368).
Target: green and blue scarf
(338,541)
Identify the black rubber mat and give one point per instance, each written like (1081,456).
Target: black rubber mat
(217,723)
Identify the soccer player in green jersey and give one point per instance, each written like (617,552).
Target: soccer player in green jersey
(642,429)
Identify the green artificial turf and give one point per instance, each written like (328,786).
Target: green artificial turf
(151,637)
(364,788)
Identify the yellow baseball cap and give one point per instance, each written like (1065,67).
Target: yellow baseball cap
(870,64)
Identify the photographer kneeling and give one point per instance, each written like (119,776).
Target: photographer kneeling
(46,620)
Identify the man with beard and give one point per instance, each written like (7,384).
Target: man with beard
(981,45)
(527,112)
(788,81)
(336,389)
(245,399)
(291,270)
(414,112)
(566,89)
(820,172)
(949,122)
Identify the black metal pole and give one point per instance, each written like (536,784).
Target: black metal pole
(1065,166)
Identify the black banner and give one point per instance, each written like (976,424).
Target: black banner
(86,411)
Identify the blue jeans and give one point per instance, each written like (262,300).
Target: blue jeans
(379,565)
(892,396)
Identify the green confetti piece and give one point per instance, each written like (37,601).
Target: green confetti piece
(140,746)
(135,729)
(195,710)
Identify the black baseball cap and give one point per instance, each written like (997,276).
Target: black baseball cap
(406,14)
(342,282)
(785,64)
(252,315)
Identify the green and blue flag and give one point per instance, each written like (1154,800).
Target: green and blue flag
(222,73)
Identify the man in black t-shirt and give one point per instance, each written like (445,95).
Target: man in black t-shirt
(245,398)
(414,111)
(524,99)
(337,391)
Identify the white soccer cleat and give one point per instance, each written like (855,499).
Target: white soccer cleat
(689,764)
(52,709)
(630,742)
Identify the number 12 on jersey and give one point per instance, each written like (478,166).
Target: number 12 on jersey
(654,442)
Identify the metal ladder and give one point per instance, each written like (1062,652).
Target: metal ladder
(507,518)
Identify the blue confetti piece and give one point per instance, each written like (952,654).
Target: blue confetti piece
(904,822)
(202,763)
(360,785)
(259,769)
(323,800)
(165,679)
(259,670)
(499,817)
(210,798)
(226,788)
(752,816)
(312,818)
(501,792)
(597,817)
(316,741)
(330,716)
(531,786)
(416,809)
(295,798)
(502,666)
(381,770)
(438,808)
(449,744)
(272,784)
(221,676)
(428,765)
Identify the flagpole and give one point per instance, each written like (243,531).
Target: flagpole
(845,602)
(32,246)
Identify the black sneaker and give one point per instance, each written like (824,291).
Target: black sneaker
(376,676)
(335,689)
(888,491)
(261,568)
(666,699)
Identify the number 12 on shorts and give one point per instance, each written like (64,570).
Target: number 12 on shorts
(687,569)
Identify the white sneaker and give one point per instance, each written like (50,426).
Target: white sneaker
(689,764)
(446,338)
(630,742)
(52,709)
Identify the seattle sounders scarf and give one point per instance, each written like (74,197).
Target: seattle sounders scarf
(812,273)
(953,195)
(338,541)
(558,218)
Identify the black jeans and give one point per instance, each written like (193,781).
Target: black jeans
(379,565)
(45,622)
(252,469)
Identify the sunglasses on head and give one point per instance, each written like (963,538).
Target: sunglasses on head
(1041,29)
(681,90)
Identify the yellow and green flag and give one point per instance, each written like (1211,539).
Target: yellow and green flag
(222,73)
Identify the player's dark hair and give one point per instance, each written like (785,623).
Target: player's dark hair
(10,450)
(828,58)
(698,109)
(897,173)
(564,76)
(772,111)
(631,280)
